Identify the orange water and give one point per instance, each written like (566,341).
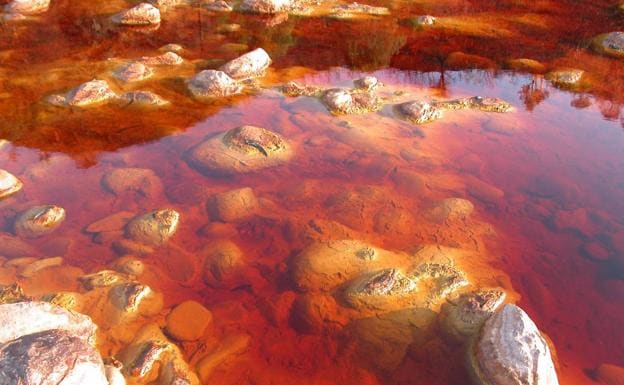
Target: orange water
(553,155)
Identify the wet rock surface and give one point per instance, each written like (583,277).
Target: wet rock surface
(166,59)
(351,10)
(511,350)
(211,83)
(27,7)
(240,150)
(250,65)
(611,44)
(49,358)
(267,6)
(419,112)
(343,101)
(188,321)
(9,184)
(462,317)
(39,221)
(25,318)
(133,72)
(141,14)
(153,228)
(142,98)
(565,77)
(91,93)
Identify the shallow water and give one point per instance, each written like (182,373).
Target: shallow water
(547,178)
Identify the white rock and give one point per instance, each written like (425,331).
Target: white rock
(91,92)
(511,351)
(249,65)
(9,184)
(22,318)
(27,7)
(267,6)
(211,83)
(141,14)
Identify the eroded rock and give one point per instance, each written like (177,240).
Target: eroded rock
(9,184)
(451,209)
(356,9)
(293,89)
(250,65)
(141,14)
(240,150)
(143,98)
(166,59)
(211,83)
(267,6)
(462,317)
(39,221)
(511,351)
(384,290)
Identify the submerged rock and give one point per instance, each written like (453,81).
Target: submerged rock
(133,72)
(211,83)
(51,357)
(611,44)
(511,351)
(90,93)
(9,184)
(488,104)
(462,317)
(14,247)
(451,209)
(233,205)
(27,7)
(141,14)
(38,221)
(441,279)
(151,356)
(367,83)
(154,228)
(188,321)
(239,150)
(230,347)
(528,65)
(223,259)
(250,65)
(139,180)
(419,112)
(24,318)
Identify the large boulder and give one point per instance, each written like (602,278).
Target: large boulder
(511,351)
(240,150)
(51,357)
(211,84)
(23,318)
(250,65)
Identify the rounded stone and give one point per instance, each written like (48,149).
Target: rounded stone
(250,65)
(233,205)
(212,83)
(141,14)
(188,321)
(452,209)
(38,221)
(419,112)
(611,44)
(9,184)
(153,228)
(133,72)
(139,180)
(27,7)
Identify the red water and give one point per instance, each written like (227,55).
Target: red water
(558,153)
